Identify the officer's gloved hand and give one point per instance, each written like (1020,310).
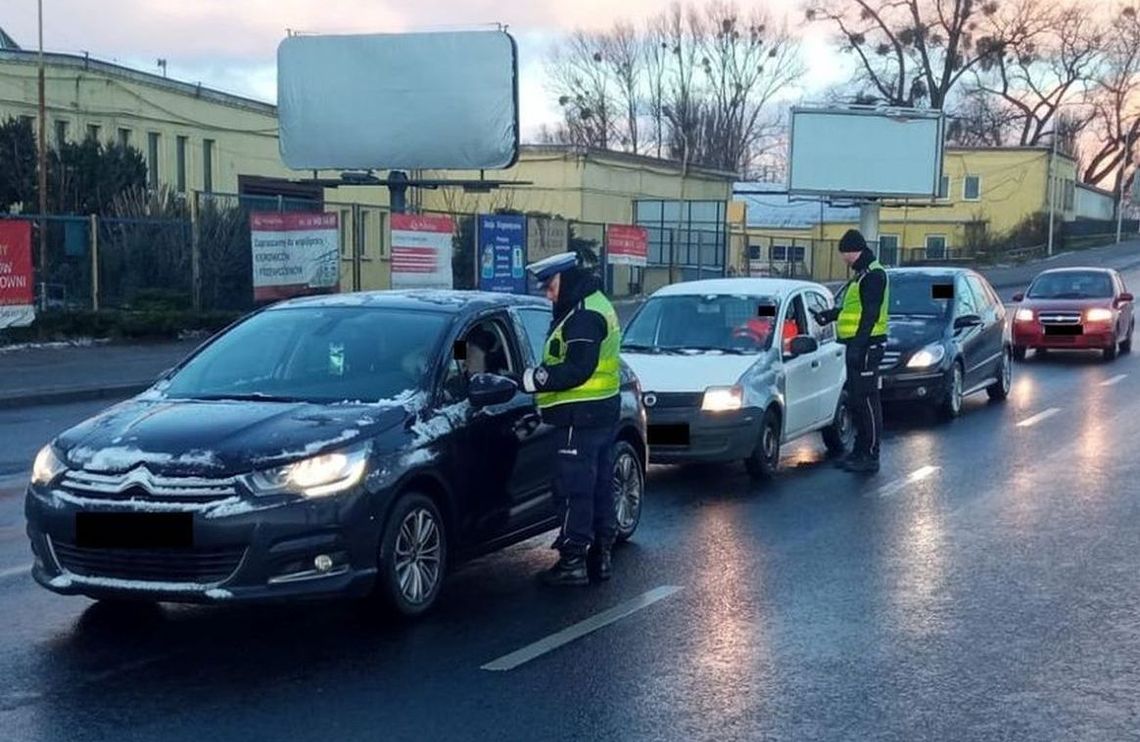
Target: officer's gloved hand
(827,316)
(527,381)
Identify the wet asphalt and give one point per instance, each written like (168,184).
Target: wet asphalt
(982,586)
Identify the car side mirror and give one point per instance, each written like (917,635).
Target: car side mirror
(487,390)
(803,345)
(1020,297)
(967,320)
(1124,298)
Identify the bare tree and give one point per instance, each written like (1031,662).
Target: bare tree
(583,81)
(980,120)
(657,53)
(1116,100)
(1036,73)
(915,52)
(622,52)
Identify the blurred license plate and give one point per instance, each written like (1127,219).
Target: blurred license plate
(669,435)
(134,530)
(1063,329)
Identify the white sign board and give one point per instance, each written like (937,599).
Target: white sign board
(421,251)
(866,152)
(294,254)
(399,101)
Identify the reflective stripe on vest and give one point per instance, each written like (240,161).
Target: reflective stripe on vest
(605,382)
(853,308)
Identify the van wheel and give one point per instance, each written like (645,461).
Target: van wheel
(839,437)
(413,557)
(765,459)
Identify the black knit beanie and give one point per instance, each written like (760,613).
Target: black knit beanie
(852,241)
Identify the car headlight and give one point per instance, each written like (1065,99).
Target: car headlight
(1099,315)
(1023,315)
(723,399)
(319,476)
(47,467)
(929,356)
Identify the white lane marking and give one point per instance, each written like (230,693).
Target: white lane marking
(1114,380)
(13,571)
(578,630)
(1039,417)
(915,476)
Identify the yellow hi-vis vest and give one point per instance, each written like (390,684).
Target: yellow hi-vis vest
(605,382)
(853,308)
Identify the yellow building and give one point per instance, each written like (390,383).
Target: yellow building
(986,195)
(195,139)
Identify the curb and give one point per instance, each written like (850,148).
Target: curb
(64,396)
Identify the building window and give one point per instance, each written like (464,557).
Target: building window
(60,133)
(181,164)
(152,150)
(784,253)
(124,137)
(1069,196)
(93,131)
(755,252)
(889,249)
(208,165)
(972,188)
(345,242)
(363,232)
(944,188)
(935,247)
(779,252)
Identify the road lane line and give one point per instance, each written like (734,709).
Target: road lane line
(915,476)
(578,630)
(1114,380)
(13,571)
(1039,417)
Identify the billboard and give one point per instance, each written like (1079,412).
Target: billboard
(399,101)
(627,245)
(502,254)
(862,152)
(294,254)
(421,251)
(17,278)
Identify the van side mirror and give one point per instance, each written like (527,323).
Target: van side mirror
(803,345)
(1019,297)
(1125,298)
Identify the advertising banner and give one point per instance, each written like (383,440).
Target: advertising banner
(627,245)
(502,254)
(421,251)
(294,254)
(17,279)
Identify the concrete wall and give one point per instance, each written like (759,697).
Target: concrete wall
(1095,204)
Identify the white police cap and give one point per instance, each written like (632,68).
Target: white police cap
(547,268)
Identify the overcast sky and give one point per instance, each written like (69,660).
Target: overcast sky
(231,44)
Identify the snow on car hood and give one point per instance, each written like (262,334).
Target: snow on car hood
(690,372)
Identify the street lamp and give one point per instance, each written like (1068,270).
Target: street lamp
(1124,161)
(43,155)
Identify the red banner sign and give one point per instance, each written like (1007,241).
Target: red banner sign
(627,245)
(421,251)
(17,279)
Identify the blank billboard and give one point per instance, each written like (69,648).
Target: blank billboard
(399,101)
(858,152)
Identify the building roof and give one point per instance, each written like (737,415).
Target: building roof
(769,205)
(574,150)
(85,63)
(7,42)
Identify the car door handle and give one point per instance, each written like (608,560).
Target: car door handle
(815,364)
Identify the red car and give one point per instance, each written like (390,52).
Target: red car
(1074,309)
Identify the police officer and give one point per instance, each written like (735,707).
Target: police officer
(578,389)
(862,327)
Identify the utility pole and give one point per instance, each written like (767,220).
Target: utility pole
(1124,162)
(1052,189)
(43,156)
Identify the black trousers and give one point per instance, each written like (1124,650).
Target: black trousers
(584,487)
(863,397)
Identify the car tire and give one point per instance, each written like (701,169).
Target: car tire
(413,551)
(1126,343)
(1111,352)
(839,437)
(951,405)
(765,458)
(1019,352)
(629,489)
(999,390)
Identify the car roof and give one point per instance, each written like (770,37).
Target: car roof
(1078,269)
(776,288)
(440,301)
(932,270)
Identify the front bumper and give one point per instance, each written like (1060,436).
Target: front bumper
(713,437)
(245,551)
(914,386)
(1032,335)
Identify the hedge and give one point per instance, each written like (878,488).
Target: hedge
(150,324)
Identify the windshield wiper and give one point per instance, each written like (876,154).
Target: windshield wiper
(247,397)
(636,348)
(710,349)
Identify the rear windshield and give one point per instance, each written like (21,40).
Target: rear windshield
(1072,285)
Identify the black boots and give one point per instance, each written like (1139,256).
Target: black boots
(599,564)
(570,570)
(862,465)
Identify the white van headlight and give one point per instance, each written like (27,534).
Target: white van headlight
(723,399)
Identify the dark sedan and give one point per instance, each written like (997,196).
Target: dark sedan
(355,445)
(948,338)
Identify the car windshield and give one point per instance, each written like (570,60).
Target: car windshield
(913,295)
(1072,285)
(710,323)
(315,354)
